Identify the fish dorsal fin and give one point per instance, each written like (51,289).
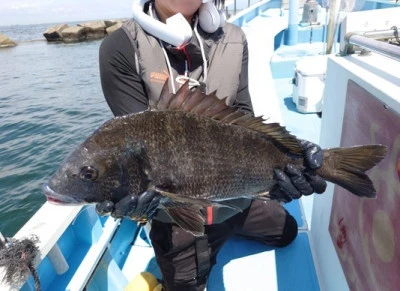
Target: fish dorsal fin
(162,102)
(196,102)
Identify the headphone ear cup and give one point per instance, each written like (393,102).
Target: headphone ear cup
(209,17)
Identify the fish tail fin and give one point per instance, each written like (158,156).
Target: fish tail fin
(346,167)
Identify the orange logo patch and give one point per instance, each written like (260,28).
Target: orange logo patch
(159,77)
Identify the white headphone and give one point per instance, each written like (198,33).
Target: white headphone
(209,17)
(177,30)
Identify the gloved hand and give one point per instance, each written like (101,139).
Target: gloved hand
(137,207)
(295,181)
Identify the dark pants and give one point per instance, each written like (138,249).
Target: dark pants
(178,252)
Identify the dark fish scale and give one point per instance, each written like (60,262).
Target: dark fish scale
(199,157)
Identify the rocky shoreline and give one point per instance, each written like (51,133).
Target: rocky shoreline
(90,30)
(5,41)
(81,32)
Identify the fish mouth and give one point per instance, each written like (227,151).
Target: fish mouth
(59,199)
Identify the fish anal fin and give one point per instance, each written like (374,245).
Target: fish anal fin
(189,218)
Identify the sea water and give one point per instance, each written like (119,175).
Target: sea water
(50,101)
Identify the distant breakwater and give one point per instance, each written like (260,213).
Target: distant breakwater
(81,32)
(90,30)
(5,41)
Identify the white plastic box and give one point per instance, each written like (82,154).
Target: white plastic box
(309,83)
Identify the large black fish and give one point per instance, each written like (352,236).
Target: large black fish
(195,151)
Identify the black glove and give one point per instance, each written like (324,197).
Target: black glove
(295,181)
(137,207)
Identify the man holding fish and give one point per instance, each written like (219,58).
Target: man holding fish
(135,61)
(185,151)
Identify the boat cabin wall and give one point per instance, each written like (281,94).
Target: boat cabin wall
(356,241)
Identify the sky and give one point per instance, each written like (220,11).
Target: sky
(54,11)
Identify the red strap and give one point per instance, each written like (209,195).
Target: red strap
(209,215)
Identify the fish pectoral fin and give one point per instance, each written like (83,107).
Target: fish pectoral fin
(184,199)
(201,202)
(264,196)
(228,204)
(189,218)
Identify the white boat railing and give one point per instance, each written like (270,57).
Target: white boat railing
(232,6)
(47,224)
(369,40)
(363,28)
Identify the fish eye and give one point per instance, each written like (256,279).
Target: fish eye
(89,173)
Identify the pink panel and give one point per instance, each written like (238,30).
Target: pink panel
(366,232)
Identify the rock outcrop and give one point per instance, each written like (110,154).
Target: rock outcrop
(84,31)
(94,29)
(111,22)
(54,33)
(5,41)
(110,29)
(74,34)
